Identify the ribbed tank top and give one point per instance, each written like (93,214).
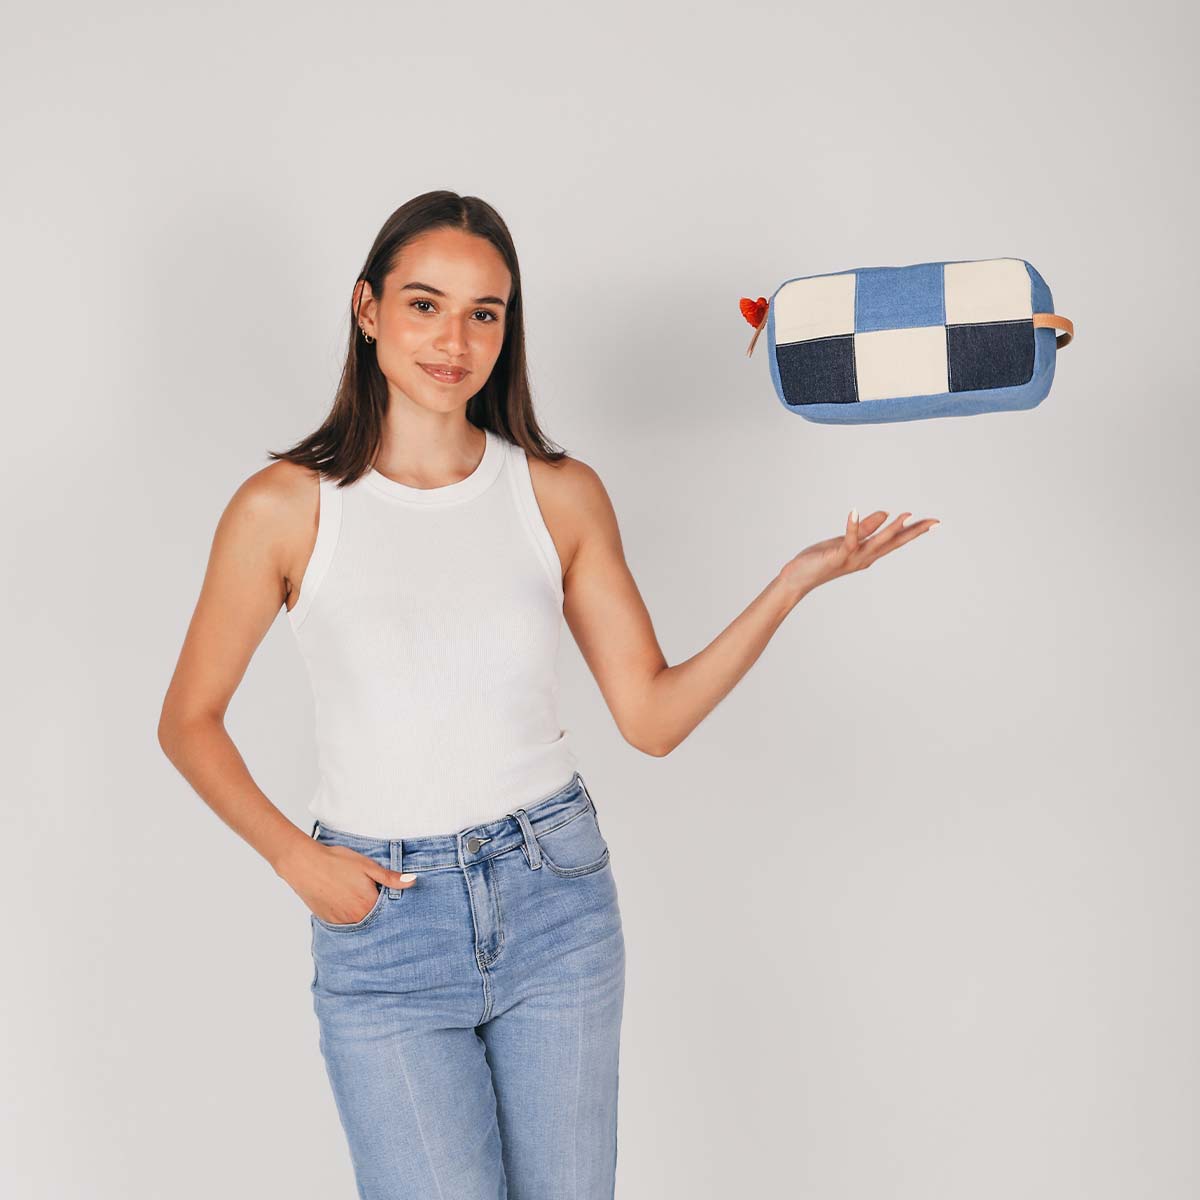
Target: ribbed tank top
(429,622)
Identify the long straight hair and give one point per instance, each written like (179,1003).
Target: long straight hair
(348,439)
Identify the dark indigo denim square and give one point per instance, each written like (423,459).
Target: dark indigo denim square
(991,355)
(820,371)
(900,297)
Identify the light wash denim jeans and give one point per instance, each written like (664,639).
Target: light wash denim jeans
(470,1024)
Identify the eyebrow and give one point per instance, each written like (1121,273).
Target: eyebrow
(424,287)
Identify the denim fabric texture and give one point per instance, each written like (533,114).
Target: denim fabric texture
(470,1023)
(990,356)
(899,297)
(819,371)
(999,369)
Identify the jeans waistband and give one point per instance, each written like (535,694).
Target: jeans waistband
(478,842)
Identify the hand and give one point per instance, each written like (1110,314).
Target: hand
(853,551)
(338,884)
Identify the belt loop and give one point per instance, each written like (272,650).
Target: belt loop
(533,851)
(314,829)
(397,865)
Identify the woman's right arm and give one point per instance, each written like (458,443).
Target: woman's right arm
(267,528)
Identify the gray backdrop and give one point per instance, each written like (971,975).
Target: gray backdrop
(912,914)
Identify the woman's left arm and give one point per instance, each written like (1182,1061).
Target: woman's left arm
(655,705)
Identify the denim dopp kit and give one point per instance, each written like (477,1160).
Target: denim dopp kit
(942,339)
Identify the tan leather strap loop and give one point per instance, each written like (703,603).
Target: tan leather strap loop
(1055,321)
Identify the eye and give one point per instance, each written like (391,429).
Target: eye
(491,316)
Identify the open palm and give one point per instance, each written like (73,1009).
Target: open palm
(856,549)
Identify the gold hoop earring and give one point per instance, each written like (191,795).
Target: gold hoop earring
(366,336)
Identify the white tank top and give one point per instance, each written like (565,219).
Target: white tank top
(429,622)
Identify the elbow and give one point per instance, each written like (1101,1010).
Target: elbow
(167,735)
(174,726)
(655,748)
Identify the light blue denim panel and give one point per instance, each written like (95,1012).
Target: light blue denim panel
(1046,340)
(1042,300)
(899,297)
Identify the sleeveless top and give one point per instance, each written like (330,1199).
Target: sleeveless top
(429,623)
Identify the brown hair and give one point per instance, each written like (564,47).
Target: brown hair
(346,443)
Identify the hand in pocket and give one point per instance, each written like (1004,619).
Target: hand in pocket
(341,886)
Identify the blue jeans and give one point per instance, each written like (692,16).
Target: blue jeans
(470,1023)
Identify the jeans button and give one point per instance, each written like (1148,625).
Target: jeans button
(473,844)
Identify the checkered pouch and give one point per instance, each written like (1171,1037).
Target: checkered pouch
(944,339)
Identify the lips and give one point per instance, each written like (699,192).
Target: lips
(444,374)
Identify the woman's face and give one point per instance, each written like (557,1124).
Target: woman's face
(443,306)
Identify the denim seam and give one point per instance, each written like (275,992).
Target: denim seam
(1004,321)
(540,833)
(487,991)
(575,1112)
(312,949)
(494,887)
(573,872)
(825,337)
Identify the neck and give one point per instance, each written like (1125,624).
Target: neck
(429,450)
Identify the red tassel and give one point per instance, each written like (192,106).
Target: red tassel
(753,310)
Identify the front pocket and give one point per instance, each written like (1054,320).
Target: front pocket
(376,909)
(577,847)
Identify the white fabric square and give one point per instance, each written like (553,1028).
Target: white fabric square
(901,362)
(814,308)
(992,289)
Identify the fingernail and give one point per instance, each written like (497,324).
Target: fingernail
(935,524)
(854,514)
(407,878)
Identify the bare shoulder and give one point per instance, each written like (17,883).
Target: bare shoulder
(569,476)
(278,494)
(279,505)
(574,503)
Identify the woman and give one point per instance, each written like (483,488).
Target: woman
(427,543)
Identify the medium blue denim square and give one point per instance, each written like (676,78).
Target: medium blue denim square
(900,297)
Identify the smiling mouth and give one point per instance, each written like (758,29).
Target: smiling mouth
(444,374)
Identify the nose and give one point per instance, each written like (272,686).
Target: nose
(452,338)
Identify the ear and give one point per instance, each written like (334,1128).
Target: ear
(363,302)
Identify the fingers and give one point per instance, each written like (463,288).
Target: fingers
(862,528)
(861,535)
(898,534)
(894,528)
(392,879)
(382,875)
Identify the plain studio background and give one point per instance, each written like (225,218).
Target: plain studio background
(913,913)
